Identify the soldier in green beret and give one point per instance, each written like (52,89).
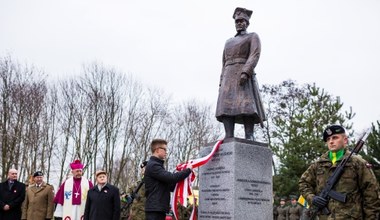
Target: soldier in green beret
(295,210)
(282,210)
(357,182)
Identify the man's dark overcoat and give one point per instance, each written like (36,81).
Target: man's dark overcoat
(104,204)
(12,197)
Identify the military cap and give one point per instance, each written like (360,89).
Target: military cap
(38,173)
(293,197)
(283,198)
(332,129)
(242,13)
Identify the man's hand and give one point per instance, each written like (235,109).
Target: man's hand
(189,166)
(243,78)
(6,207)
(319,202)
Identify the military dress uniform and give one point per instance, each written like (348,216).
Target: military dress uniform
(357,182)
(295,212)
(38,203)
(282,212)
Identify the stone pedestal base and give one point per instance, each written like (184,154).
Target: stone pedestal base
(237,182)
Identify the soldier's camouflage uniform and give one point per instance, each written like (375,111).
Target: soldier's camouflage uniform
(357,182)
(137,208)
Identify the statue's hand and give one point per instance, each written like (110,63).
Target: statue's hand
(243,78)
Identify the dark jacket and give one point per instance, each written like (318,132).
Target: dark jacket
(159,183)
(14,198)
(104,204)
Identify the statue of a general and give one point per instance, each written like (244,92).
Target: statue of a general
(239,98)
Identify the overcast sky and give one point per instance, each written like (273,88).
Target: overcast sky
(177,45)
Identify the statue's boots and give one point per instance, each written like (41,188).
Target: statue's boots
(229,126)
(248,128)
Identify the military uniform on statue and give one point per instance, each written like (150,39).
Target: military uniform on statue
(239,100)
(71,196)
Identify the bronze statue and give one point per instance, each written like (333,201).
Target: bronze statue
(239,99)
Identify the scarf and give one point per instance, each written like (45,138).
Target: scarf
(335,156)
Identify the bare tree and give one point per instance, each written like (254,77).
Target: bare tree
(23,92)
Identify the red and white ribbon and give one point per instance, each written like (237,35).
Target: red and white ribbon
(183,189)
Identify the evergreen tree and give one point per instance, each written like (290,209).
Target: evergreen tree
(372,154)
(297,116)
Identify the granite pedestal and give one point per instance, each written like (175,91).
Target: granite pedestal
(237,182)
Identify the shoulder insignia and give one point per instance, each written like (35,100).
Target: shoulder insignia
(368,165)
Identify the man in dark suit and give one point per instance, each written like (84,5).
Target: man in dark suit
(12,194)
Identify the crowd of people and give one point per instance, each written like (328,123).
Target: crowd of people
(79,199)
(292,210)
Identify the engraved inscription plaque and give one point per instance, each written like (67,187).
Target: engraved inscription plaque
(237,182)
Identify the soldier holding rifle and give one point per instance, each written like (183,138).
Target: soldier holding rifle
(356,187)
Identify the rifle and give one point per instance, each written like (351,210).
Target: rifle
(134,194)
(328,191)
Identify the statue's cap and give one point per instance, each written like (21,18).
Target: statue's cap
(242,13)
(332,129)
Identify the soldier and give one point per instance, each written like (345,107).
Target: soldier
(38,204)
(137,208)
(282,210)
(295,210)
(357,181)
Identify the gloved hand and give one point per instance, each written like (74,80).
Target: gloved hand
(243,79)
(319,202)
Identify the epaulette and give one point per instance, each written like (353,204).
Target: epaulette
(368,165)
